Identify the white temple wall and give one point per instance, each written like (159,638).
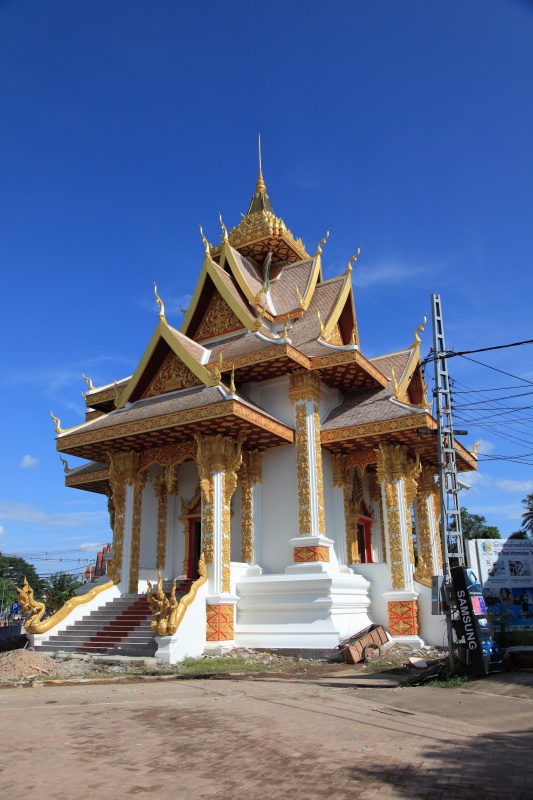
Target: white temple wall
(235,525)
(273,396)
(379,578)
(147,551)
(332,527)
(432,627)
(279,508)
(329,398)
(187,488)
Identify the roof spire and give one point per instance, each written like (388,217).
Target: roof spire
(260,201)
(260,185)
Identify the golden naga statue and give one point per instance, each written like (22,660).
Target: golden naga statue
(168,613)
(28,604)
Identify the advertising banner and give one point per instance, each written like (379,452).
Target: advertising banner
(505,567)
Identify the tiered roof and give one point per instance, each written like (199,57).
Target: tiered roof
(260,309)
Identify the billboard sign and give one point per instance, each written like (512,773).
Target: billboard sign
(474,619)
(505,567)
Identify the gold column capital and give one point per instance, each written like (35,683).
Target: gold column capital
(218,453)
(338,462)
(304,385)
(123,467)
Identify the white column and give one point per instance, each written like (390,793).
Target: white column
(128,524)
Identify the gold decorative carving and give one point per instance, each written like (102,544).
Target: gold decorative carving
(218,454)
(375,495)
(220,621)
(88,381)
(321,325)
(318,471)
(173,374)
(140,483)
(249,474)
(391,465)
(168,613)
(320,244)
(159,305)
(122,473)
(352,261)
(304,385)
(420,329)
(412,471)
(246,522)
(428,490)
(339,470)
(57,423)
(302,468)
(403,618)
(218,320)
(336,336)
(36,610)
(264,224)
(161,492)
(168,455)
(311,553)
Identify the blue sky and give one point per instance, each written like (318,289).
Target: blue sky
(405,127)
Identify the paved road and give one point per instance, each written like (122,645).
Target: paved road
(264,739)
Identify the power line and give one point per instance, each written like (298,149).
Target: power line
(452,353)
(502,371)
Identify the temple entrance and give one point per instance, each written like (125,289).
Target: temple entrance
(364,541)
(195,546)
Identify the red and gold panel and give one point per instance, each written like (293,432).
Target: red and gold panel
(304,555)
(218,320)
(220,622)
(173,374)
(403,618)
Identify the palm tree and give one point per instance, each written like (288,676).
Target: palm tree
(527,516)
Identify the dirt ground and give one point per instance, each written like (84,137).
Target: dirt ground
(24,665)
(271,738)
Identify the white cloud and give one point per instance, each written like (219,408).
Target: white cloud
(485,447)
(28,462)
(2,530)
(23,512)
(389,272)
(524,487)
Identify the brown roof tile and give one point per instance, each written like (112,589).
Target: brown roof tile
(366,405)
(193,348)
(389,361)
(249,272)
(307,329)
(232,288)
(283,288)
(240,345)
(183,400)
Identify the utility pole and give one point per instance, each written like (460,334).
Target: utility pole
(450,518)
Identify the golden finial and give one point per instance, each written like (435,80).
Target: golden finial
(66,467)
(160,304)
(57,422)
(90,387)
(260,185)
(232,389)
(259,321)
(224,229)
(300,298)
(475,448)
(352,337)
(220,359)
(321,242)
(118,393)
(206,243)
(352,261)
(285,334)
(396,386)
(420,329)
(259,296)
(322,328)
(83,395)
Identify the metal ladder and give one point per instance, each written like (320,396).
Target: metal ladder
(450,523)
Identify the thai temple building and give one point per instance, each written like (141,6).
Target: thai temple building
(268,485)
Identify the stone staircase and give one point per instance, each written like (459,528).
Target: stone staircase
(120,627)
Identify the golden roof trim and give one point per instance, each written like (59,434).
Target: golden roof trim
(231,407)
(168,334)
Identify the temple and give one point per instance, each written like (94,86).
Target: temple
(277,484)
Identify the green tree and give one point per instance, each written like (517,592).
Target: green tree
(527,516)
(59,588)
(475,526)
(521,534)
(13,570)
